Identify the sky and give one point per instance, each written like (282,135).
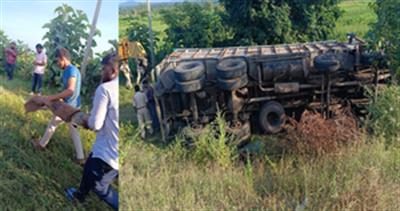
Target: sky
(23,19)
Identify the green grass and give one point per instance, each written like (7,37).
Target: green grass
(158,25)
(356,18)
(30,179)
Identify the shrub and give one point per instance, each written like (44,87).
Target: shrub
(211,144)
(385,112)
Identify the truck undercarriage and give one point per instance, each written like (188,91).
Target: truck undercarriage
(256,88)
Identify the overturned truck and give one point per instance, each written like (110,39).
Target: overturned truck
(257,87)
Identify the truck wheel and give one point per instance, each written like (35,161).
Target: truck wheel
(326,62)
(233,84)
(231,68)
(189,71)
(272,117)
(191,86)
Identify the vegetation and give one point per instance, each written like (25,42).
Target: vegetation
(271,22)
(385,112)
(193,25)
(209,175)
(69,29)
(385,32)
(356,17)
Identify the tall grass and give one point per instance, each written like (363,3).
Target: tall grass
(207,175)
(165,178)
(29,179)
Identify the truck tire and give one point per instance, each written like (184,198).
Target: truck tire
(191,86)
(189,71)
(233,84)
(326,62)
(272,117)
(231,68)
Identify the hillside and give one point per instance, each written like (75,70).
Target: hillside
(30,179)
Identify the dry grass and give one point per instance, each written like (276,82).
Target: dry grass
(315,134)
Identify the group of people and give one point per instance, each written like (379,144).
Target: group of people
(100,168)
(40,62)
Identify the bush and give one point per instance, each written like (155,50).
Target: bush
(211,144)
(272,22)
(385,112)
(195,25)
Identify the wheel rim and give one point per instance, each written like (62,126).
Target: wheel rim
(273,118)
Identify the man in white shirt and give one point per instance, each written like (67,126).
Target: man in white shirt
(140,103)
(40,66)
(101,168)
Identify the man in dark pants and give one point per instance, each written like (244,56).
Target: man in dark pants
(40,66)
(11,54)
(101,168)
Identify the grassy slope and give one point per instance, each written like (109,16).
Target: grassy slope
(32,180)
(356,18)
(155,176)
(157,24)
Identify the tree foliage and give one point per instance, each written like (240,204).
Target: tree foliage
(139,32)
(69,29)
(195,25)
(283,21)
(4,42)
(385,32)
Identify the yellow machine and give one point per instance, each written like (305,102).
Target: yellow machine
(127,49)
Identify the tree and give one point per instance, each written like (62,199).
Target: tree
(283,21)
(385,32)
(139,31)
(69,29)
(4,42)
(195,25)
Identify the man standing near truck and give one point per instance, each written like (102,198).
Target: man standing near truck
(11,54)
(101,168)
(71,79)
(140,102)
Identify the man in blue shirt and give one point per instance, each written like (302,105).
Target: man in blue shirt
(101,167)
(71,80)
